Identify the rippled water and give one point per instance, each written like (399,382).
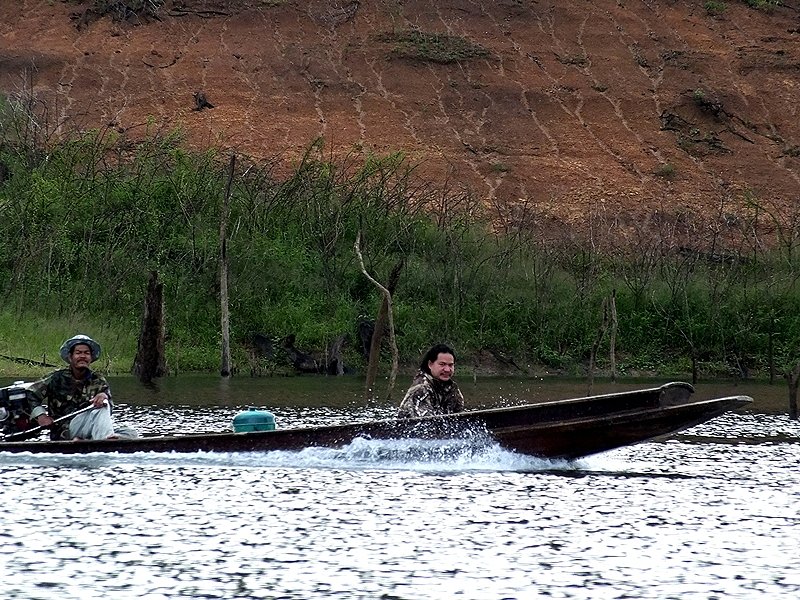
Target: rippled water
(710,514)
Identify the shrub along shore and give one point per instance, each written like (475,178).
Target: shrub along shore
(85,219)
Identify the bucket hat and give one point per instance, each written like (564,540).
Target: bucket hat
(67,346)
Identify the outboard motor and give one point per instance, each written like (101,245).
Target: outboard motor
(15,404)
(253,419)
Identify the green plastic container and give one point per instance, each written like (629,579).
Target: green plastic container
(253,419)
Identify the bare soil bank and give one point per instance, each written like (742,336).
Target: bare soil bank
(604,119)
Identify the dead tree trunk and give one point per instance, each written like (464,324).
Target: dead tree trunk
(150,361)
(335,359)
(387,297)
(380,327)
(793,378)
(771,355)
(612,336)
(225,368)
(601,331)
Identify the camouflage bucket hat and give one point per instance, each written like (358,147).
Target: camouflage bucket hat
(67,346)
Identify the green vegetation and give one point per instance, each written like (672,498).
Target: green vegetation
(762,4)
(715,7)
(499,167)
(667,171)
(699,97)
(793,151)
(432,47)
(123,9)
(579,60)
(85,218)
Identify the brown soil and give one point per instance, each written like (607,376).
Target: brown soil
(597,117)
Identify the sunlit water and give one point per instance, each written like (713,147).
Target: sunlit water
(712,514)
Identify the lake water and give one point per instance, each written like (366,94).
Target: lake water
(711,514)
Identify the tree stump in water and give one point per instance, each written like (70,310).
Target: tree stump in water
(150,361)
(335,364)
(793,379)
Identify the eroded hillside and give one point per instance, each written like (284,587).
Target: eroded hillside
(568,116)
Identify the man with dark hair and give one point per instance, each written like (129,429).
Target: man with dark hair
(68,390)
(433,391)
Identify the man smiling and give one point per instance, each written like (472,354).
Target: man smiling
(68,390)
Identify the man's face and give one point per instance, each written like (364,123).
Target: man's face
(80,356)
(443,367)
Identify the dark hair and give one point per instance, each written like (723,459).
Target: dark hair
(432,354)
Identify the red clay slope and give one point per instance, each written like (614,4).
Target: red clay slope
(598,117)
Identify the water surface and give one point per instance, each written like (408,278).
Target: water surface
(708,514)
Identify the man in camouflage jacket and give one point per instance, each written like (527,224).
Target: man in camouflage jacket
(68,390)
(433,391)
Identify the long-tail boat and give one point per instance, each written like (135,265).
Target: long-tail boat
(557,429)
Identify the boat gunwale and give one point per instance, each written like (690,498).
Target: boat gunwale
(741,400)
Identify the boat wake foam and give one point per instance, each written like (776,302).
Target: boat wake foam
(450,455)
(470,453)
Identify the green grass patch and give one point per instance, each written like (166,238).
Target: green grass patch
(762,4)
(667,171)
(37,337)
(500,167)
(439,48)
(715,7)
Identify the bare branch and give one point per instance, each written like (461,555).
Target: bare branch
(390,314)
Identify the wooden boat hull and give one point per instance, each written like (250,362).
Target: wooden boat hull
(562,429)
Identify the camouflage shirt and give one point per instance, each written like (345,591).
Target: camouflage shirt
(63,395)
(429,396)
